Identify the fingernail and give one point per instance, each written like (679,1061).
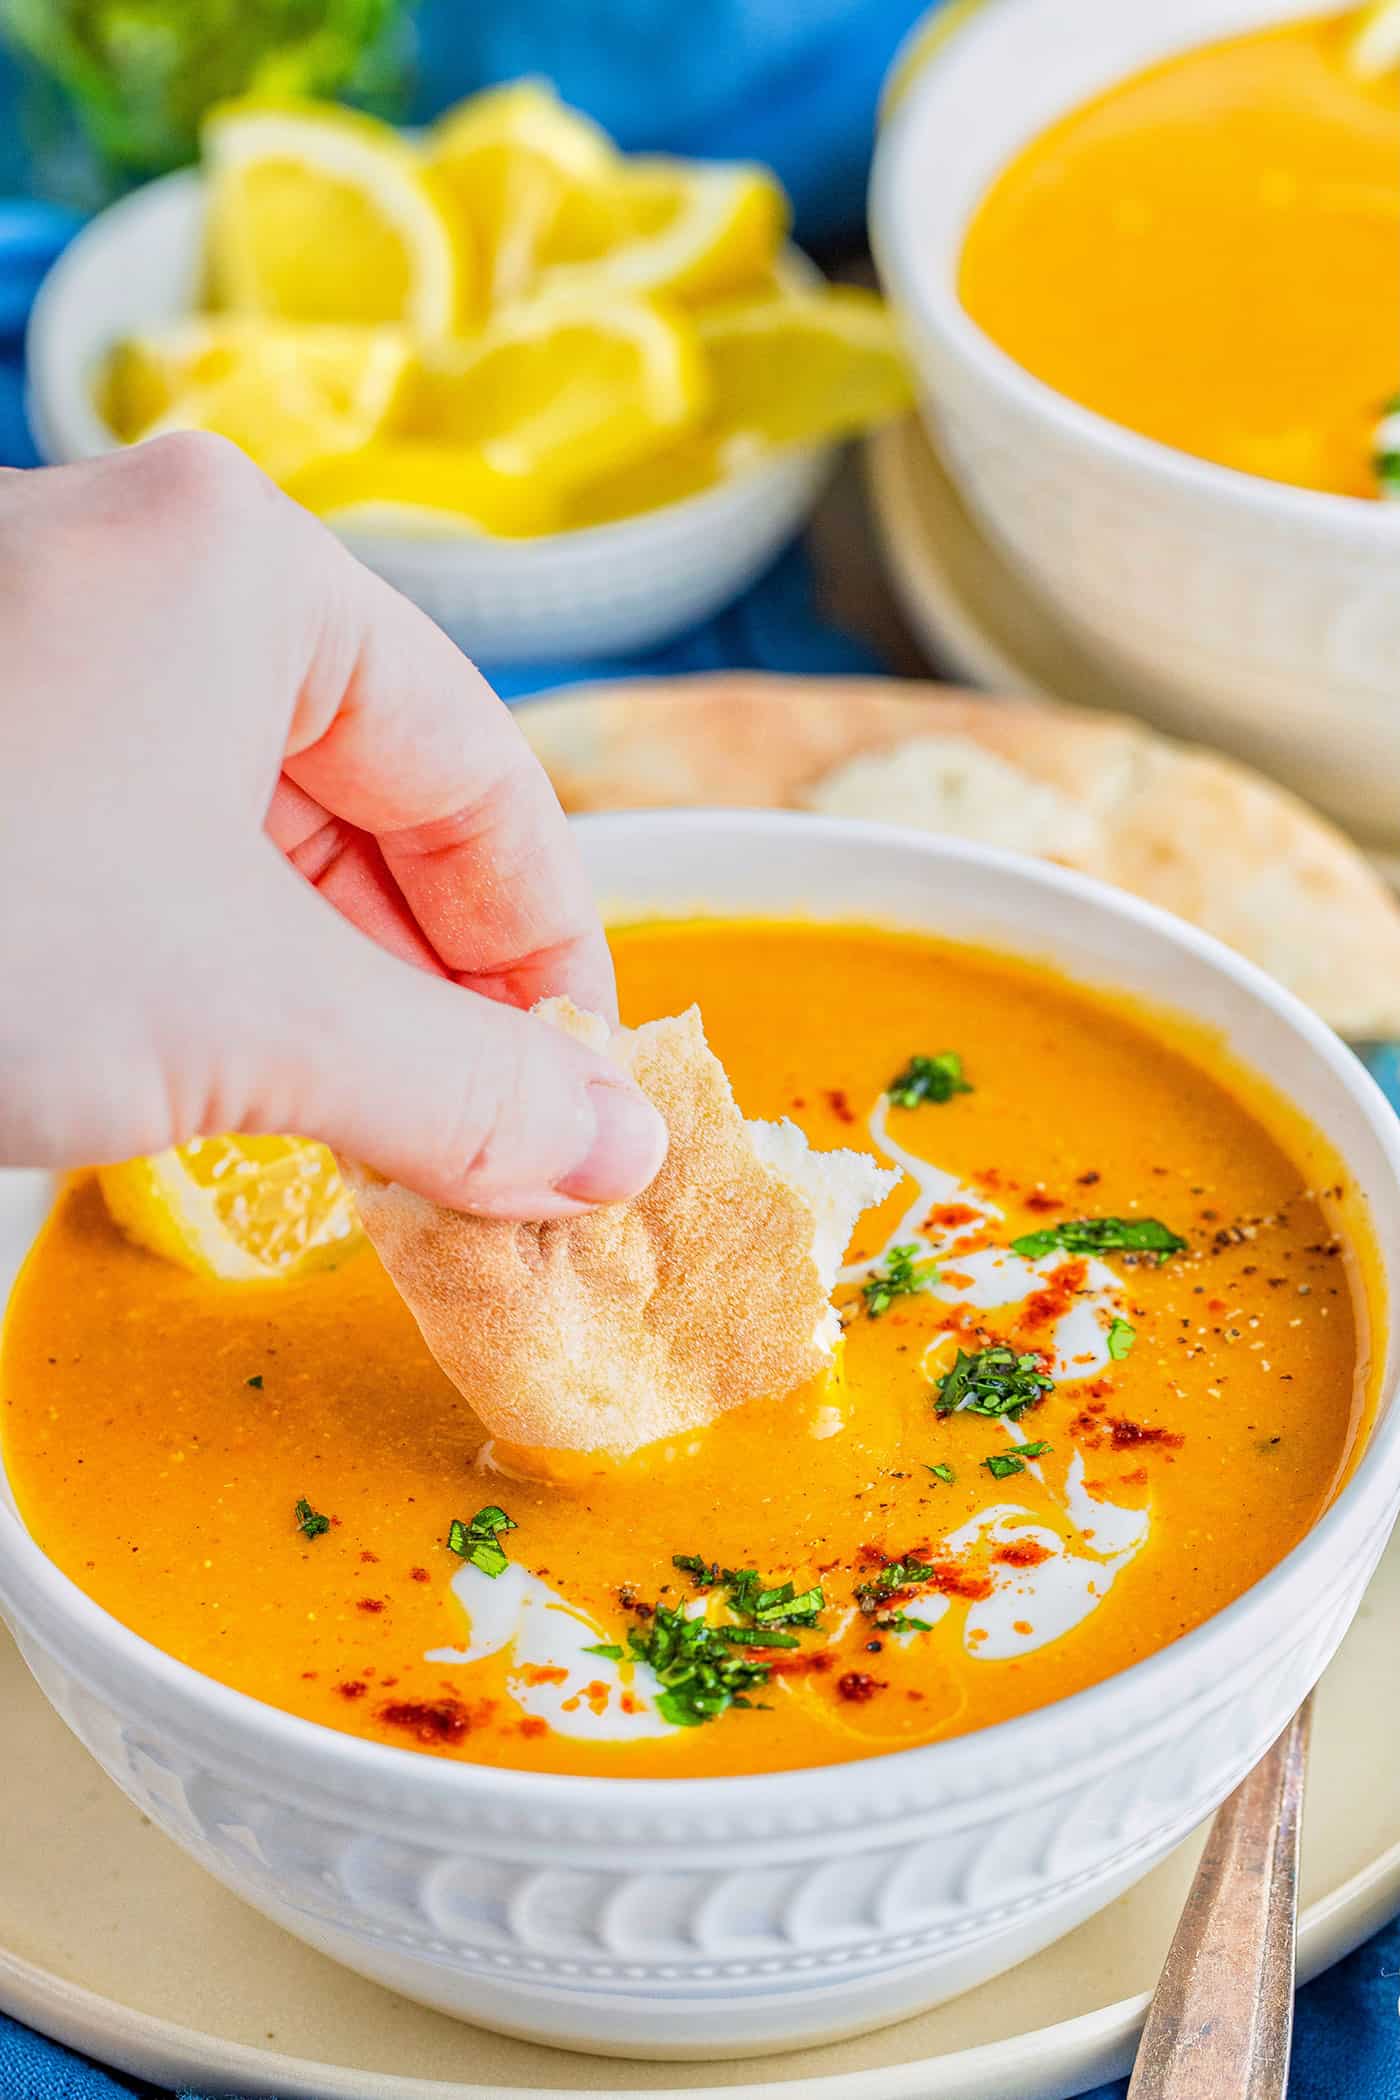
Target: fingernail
(629,1144)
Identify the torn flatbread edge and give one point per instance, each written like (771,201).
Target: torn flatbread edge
(646,1319)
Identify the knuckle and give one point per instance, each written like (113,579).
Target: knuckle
(200,477)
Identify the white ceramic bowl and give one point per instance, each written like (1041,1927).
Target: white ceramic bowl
(608,589)
(1257,616)
(700,1917)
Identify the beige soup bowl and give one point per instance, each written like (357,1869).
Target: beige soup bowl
(714,1917)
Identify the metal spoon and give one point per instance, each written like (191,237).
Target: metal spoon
(1220,2024)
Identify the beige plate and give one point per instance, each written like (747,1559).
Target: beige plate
(111,1940)
(980,622)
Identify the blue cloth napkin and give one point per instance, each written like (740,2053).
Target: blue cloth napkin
(794,85)
(749,77)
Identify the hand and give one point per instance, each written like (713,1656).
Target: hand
(274,857)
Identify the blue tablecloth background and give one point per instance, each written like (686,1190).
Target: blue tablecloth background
(795,85)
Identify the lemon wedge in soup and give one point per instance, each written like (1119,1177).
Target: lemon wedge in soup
(241,1209)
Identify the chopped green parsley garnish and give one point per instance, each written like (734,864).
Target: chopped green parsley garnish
(902,1276)
(1100,1236)
(941,1472)
(310,1521)
(609,1651)
(701,1677)
(902,1623)
(1386,454)
(751,1599)
(479,1541)
(999,1381)
(255,1381)
(758,1637)
(923,1079)
(1120,1339)
(896,1575)
(1003,1464)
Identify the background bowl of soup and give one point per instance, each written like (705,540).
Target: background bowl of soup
(712,1916)
(1146,350)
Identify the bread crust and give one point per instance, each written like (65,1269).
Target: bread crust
(1180,825)
(638,1320)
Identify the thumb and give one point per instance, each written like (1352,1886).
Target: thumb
(472,1103)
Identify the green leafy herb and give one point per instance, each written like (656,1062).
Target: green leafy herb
(1120,1339)
(902,1276)
(770,1604)
(758,1637)
(255,1381)
(999,1381)
(1001,1465)
(310,1521)
(479,1541)
(941,1472)
(1386,455)
(701,1677)
(902,1623)
(873,1595)
(751,1599)
(609,1651)
(923,1079)
(1101,1235)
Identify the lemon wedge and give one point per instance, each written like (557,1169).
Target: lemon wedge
(1373,45)
(529,181)
(801,368)
(320,214)
(795,366)
(222,370)
(401,485)
(281,422)
(241,1209)
(561,388)
(694,462)
(691,230)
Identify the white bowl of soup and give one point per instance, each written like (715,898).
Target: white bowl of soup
(1145,261)
(1048,1561)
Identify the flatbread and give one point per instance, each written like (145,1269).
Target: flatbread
(645,1319)
(1194,832)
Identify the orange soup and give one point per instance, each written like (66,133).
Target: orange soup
(1104,1362)
(1208,254)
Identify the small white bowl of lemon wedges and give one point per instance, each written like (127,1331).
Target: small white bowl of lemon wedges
(568,400)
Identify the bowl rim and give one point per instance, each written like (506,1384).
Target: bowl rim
(931,295)
(68,427)
(258,1730)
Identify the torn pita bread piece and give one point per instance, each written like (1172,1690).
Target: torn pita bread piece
(1182,826)
(639,1320)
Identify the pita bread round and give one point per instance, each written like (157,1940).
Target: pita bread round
(1199,834)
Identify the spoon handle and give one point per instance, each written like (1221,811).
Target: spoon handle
(1221,2020)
